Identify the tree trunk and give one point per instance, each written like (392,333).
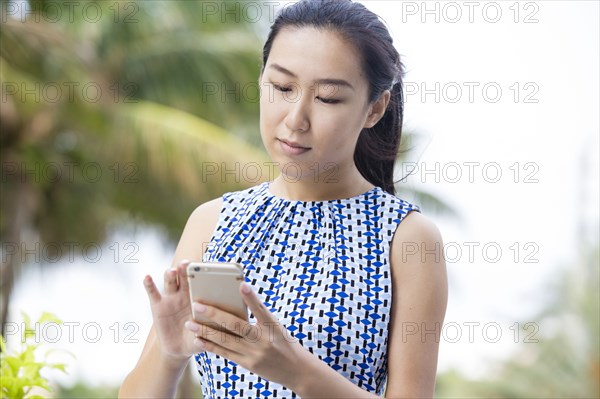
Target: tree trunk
(11,248)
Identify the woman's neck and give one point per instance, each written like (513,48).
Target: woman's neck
(323,187)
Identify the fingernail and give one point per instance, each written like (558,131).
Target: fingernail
(246,288)
(192,326)
(184,261)
(199,308)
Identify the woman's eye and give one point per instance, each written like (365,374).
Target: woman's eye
(282,89)
(323,100)
(329,100)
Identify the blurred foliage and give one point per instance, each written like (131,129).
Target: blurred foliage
(565,363)
(153,64)
(20,375)
(110,115)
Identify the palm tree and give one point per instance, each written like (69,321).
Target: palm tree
(75,161)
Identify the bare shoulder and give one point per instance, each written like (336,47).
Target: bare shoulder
(207,212)
(204,219)
(417,248)
(417,253)
(198,231)
(414,227)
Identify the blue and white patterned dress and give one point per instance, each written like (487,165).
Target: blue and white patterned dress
(322,268)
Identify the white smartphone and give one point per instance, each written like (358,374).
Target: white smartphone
(217,284)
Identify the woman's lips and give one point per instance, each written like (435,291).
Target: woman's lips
(292,149)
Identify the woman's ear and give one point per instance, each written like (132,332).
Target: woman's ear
(377,109)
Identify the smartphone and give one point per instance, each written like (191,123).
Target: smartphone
(217,284)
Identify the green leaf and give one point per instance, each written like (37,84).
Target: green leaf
(21,371)
(12,388)
(28,355)
(14,363)
(2,344)
(48,317)
(39,382)
(59,366)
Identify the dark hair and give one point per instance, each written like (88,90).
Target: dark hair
(377,147)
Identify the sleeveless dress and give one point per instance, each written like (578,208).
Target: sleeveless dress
(322,268)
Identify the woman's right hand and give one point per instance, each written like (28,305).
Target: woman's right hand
(170,311)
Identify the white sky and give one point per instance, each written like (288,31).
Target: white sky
(558,56)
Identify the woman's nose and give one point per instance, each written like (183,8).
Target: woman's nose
(297,118)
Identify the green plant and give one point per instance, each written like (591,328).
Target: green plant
(20,371)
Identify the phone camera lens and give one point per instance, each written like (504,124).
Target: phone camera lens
(197,269)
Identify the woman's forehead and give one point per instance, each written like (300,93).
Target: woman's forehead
(312,54)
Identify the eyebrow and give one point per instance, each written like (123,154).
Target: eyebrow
(331,81)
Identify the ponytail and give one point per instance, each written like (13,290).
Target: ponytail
(377,147)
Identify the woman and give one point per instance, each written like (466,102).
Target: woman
(346,286)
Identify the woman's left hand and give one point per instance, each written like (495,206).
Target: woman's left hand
(265,348)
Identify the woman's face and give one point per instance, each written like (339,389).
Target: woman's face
(313,104)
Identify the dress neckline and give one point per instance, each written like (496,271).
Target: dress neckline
(269,194)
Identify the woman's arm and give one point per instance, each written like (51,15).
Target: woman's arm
(169,344)
(155,375)
(420,296)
